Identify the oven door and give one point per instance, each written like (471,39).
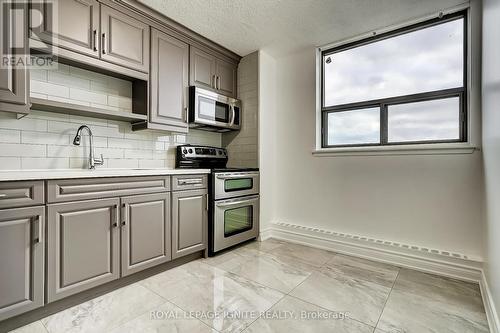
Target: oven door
(235,184)
(235,221)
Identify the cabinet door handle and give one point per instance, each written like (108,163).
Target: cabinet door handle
(214,81)
(95,40)
(207,201)
(103,43)
(38,228)
(2,195)
(217,83)
(115,216)
(124,214)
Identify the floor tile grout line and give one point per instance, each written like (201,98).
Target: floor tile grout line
(387,300)
(171,302)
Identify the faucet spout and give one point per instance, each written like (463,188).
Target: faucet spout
(77,141)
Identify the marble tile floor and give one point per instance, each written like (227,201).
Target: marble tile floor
(274,286)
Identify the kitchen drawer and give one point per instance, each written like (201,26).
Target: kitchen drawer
(189,182)
(23,193)
(95,188)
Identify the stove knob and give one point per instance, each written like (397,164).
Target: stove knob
(190,151)
(184,151)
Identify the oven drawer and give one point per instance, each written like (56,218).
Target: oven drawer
(19,194)
(97,188)
(235,221)
(235,184)
(189,182)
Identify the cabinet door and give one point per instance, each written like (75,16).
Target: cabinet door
(202,69)
(14,80)
(189,222)
(125,40)
(145,231)
(169,80)
(73,24)
(83,246)
(21,260)
(226,77)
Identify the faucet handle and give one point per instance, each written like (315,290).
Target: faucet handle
(99,161)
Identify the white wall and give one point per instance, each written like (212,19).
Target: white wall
(242,145)
(432,201)
(267,137)
(491,142)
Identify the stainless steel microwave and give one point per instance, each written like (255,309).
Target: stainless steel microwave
(211,111)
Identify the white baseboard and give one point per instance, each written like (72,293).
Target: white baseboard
(443,263)
(489,306)
(438,262)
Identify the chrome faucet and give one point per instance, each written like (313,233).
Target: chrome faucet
(77,140)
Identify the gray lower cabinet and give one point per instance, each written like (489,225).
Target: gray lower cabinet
(189,222)
(83,246)
(21,260)
(145,231)
(14,79)
(169,81)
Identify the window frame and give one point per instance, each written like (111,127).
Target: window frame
(383,103)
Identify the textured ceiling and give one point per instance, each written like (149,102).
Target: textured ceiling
(282,26)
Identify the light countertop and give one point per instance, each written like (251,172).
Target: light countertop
(43,174)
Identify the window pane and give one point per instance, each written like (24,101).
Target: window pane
(354,127)
(420,61)
(424,121)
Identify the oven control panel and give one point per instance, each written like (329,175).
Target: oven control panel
(191,156)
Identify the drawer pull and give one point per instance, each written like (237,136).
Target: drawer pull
(2,195)
(190,181)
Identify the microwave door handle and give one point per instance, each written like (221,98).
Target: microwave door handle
(233,115)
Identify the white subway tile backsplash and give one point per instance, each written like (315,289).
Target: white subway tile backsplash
(138,153)
(151,163)
(10,163)
(22,150)
(10,136)
(120,102)
(68,80)
(45,139)
(49,89)
(87,96)
(9,121)
(123,163)
(44,163)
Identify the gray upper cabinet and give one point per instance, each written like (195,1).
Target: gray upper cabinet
(21,260)
(208,71)
(125,40)
(169,81)
(226,77)
(14,80)
(83,246)
(202,69)
(146,230)
(76,26)
(189,222)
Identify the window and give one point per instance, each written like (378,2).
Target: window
(402,87)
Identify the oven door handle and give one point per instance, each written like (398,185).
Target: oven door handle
(240,176)
(234,203)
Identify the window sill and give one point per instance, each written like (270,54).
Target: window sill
(421,149)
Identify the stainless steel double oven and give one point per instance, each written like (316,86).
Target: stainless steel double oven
(235,207)
(234,196)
